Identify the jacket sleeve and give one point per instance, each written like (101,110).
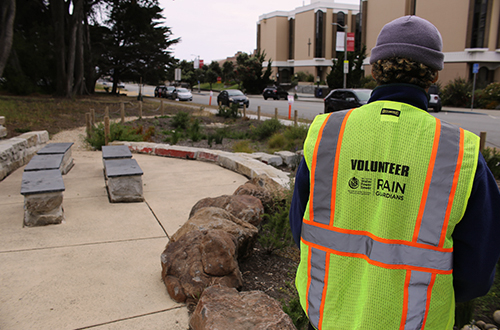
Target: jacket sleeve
(299,200)
(475,238)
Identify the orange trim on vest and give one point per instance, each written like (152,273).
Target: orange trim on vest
(428,180)
(453,188)
(336,167)
(313,168)
(404,313)
(373,262)
(429,293)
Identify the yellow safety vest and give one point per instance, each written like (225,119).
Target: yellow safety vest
(388,184)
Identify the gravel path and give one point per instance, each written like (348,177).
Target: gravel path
(76,135)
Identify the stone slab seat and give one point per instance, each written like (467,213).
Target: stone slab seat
(63,148)
(45,162)
(124,180)
(43,196)
(116,152)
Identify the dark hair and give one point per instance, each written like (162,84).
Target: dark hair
(403,70)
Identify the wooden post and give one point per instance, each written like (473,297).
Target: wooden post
(106,130)
(106,112)
(140,109)
(295,115)
(275,113)
(258,112)
(92,114)
(244,111)
(162,112)
(122,112)
(482,141)
(88,119)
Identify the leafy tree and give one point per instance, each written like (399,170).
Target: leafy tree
(249,72)
(227,71)
(7,14)
(139,43)
(335,78)
(211,77)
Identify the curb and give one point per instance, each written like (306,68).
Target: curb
(244,164)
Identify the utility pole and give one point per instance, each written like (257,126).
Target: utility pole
(346,62)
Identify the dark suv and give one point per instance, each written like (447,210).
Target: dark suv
(340,99)
(159,90)
(275,93)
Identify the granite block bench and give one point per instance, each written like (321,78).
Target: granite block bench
(123,180)
(45,162)
(43,197)
(63,148)
(115,152)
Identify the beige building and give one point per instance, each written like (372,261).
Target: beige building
(470,31)
(304,39)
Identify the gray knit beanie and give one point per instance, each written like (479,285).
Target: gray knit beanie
(411,37)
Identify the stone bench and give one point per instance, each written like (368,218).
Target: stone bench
(45,162)
(123,180)
(116,152)
(63,148)
(43,197)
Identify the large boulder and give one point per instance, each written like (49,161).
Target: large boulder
(209,218)
(198,260)
(244,207)
(225,308)
(262,187)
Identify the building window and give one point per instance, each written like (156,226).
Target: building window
(479,24)
(291,38)
(357,35)
(318,52)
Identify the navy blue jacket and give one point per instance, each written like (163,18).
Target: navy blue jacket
(475,238)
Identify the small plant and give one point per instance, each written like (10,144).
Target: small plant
(489,97)
(231,112)
(117,132)
(181,120)
(243,146)
(266,129)
(194,131)
(296,313)
(277,141)
(492,157)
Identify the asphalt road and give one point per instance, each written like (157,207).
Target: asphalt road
(476,121)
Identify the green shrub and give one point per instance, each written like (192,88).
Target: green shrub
(277,141)
(296,313)
(181,120)
(117,132)
(194,131)
(231,112)
(492,157)
(489,97)
(457,93)
(295,137)
(266,129)
(243,146)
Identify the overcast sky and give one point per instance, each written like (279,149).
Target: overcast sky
(217,29)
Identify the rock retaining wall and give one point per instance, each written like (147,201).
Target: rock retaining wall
(18,151)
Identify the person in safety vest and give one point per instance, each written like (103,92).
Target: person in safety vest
(396,213)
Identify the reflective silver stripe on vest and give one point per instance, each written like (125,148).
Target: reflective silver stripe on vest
(440,186)
(318,261)
(324,166)
(389,254)
(417,299)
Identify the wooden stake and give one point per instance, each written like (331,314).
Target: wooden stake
(482,141)
(122,112)
(295,115)
(140,109)
(275,113)
(106,112)
(258,112)
(106,130)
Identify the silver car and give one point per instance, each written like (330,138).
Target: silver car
(182,94)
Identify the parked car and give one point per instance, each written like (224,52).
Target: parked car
(275,93)
(234,96)
(434,99)
(340,99)
(182,94)
(167,92)
(159,91)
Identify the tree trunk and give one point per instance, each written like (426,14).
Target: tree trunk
(57,7)
(7,15)
(89,64)
(74,19)
(78,86)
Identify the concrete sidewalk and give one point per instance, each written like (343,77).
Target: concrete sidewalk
(101,268)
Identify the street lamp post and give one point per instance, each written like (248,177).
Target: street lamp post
(345,51)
